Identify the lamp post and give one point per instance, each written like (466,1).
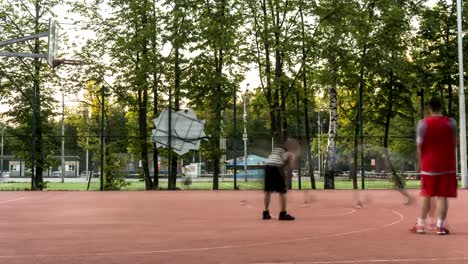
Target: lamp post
(461,98)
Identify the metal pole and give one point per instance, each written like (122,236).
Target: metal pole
(33,148)
(245,136)
(234,140)
(362,140)
(461,97)
(299,139)
(169,142)
(102,139)
(88,174)
(222,147)
(63,137)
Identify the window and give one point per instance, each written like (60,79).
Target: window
(71,167)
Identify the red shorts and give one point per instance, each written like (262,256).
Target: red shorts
(439,186)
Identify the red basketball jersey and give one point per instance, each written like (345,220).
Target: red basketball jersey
(438,146)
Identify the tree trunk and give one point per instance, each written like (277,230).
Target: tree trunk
(359,124)
(332,133)
(177,81)
(109,181)
(280,89)
(449,74)
(310,165)
(310,171)
(441,92)
(39,162)
(215,145)
(143,133)
(388,116)
(155,103)
(268,89)
(143,105)
(354,169)
(219,62)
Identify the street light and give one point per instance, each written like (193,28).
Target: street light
(461,98)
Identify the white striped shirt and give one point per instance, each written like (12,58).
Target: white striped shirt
(276,158)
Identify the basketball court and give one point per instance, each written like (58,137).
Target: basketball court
(220,227)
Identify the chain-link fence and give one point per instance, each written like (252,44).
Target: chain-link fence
(241,163)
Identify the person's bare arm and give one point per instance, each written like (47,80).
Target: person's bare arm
(290,160)
(420,132)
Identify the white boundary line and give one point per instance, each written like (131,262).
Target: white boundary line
(12,200)
(400,216)
(443,260)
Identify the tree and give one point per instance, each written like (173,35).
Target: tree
(212,79)
(436,51)
(28,79)
(274,50)
(336,52)
(391,70)
(179,24)
(128,36)
(87,122)
(306,89)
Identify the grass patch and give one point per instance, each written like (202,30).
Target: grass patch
(252,185)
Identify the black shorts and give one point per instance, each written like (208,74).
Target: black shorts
(275,180)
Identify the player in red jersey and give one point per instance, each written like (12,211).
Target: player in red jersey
(436,140)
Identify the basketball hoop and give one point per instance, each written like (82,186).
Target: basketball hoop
(52,47)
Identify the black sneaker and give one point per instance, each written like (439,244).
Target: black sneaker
(266,215)
(285,216)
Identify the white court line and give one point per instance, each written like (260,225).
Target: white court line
(346,213)
(12,200)
(401,218)
(443,260)
(137,223)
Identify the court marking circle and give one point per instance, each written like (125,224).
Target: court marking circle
(255,244)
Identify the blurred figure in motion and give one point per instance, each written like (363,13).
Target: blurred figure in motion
(436,142)
(281,160)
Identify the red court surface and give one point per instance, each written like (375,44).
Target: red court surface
(220,227)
